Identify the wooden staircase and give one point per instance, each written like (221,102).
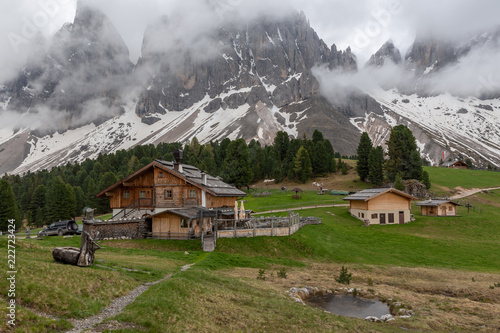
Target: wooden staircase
(135,207)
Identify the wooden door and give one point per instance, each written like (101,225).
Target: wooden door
(382,218)
(401,217)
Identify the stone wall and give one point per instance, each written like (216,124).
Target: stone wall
(134,229)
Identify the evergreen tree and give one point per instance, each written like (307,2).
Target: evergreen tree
(223,149)
(302,165)
(426,180)
(38,206)
(257,160)
(91,200)
(80,200)
(398,184)
(404,158)
(206,160)
(317,136)
(344,168)
(332,166)
(61,200)
(365,147)
(376,166)
(133,163)
(281,144)
(8,206)
(321,159)
(237,168)
(271,162)
(70,208)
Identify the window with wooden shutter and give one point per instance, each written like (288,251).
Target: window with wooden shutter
(391,217)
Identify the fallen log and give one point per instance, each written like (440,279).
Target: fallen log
(66,255)
(83,256)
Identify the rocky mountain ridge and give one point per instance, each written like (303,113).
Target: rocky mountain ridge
(250,80)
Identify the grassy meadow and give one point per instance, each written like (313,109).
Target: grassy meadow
(447,270)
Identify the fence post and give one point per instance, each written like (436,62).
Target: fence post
(253,221)
(272,227)
(235,236)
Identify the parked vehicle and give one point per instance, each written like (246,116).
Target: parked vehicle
(60,228)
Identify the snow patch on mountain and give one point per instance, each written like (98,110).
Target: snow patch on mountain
(469,125)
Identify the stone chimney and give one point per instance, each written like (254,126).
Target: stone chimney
(178,160)
(203,178)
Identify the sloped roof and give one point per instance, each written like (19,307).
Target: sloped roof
(194,176)
(436,202)
(459,162)
(371,193)
(189,173)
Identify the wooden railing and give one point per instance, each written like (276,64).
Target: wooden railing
(137,204)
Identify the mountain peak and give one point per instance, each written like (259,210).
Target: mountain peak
(387,52)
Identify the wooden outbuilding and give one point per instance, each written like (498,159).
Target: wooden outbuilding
(381,206)
(438,207)
(457,164)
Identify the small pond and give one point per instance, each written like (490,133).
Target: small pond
(349,306)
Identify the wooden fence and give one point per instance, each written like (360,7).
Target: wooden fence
(262,226)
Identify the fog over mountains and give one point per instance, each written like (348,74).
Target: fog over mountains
(79,93)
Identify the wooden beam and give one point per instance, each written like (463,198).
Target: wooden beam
(110,194)
(128,184)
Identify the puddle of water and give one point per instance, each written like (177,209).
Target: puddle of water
(349,306)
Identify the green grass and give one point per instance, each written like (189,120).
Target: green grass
(27,321)
(467,242)
(76,292)
(202,301)
(283,200)
(451,178)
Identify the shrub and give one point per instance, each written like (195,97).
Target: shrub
(262,274)
(370,282)
(344,277)
(282,273)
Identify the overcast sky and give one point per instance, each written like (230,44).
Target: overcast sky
(364,24)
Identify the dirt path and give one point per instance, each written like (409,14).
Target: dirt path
(116,307)
(468,192)
(300,208)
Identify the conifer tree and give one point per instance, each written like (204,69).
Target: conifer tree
(398,184)
(8,206)
(38,206)
(426,179)
(237,168)
(376,166)
(364,149)
(302,165)
(60,200)
(404,158)
(321,158)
